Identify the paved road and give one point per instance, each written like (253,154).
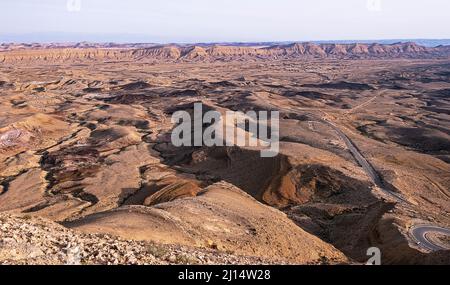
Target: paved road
(420,232)
(368,168)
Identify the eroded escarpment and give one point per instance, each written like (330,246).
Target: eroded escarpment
(208,53)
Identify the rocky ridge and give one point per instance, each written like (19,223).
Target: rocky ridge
(30,240)
(208,53)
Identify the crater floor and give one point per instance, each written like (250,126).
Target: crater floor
(86,144)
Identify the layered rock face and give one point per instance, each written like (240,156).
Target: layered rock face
(112,52)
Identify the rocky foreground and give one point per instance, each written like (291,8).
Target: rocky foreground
(28,240)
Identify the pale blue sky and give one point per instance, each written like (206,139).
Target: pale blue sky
(223,20)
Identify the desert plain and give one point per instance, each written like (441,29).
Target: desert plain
(88,173)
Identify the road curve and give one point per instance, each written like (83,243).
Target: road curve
(420,232)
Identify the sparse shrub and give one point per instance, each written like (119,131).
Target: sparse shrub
(157,251)
(185,259)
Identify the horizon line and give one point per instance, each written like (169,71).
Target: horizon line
(393,40)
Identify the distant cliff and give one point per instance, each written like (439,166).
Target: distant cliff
(59,53)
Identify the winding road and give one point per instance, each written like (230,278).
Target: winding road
(418,232)
(362,161)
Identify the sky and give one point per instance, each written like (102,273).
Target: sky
(187,21)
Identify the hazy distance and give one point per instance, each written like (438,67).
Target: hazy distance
(221,20)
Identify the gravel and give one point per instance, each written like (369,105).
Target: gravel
(33,240)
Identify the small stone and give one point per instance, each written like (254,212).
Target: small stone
(172,258)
